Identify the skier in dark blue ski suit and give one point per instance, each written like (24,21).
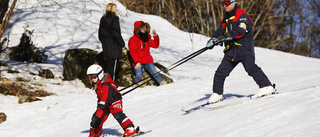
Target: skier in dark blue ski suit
(237,26)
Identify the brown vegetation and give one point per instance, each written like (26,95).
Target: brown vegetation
(9,87)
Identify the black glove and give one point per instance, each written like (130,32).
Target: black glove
(228,35)
(225,37)
(95,121)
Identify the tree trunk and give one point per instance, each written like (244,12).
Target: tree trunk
(4,24)
(4,4)
(271,26)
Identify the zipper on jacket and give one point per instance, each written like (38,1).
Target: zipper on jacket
(230,53)
(234,53)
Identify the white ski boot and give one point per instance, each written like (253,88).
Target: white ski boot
(214,98)
(268,90)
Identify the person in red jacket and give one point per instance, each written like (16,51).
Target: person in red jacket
(139,48)
(109,101)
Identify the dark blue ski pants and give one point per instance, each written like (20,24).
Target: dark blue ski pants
(249,65)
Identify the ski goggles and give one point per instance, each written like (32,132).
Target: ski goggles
(225,3)
(93,75)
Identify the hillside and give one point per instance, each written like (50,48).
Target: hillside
(292,113)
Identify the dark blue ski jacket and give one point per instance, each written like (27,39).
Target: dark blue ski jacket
(239,25)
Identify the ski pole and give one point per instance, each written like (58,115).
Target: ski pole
(183,60)
(173,65)
(202,50)
(136,87)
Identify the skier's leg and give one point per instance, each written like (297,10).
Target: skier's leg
(117,112)
(222,72)
(255,71)
(123,120)
(96,131)
(259,77)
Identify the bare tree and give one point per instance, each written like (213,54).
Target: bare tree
(4,5)
(4,24)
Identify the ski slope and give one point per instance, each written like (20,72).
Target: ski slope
(74,24)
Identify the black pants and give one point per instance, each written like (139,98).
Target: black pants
(249,65)
(110,66)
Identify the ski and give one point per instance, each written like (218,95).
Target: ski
(220,106)
(225,103)
(190,110)
(216,107)
(139,133)
(271,95)
(194,108)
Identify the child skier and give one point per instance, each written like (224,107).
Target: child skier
(109,101)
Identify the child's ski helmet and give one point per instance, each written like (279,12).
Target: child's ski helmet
(95,70)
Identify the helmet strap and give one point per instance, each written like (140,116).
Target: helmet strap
(99,74)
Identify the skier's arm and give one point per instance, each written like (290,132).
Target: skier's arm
(243,25)
(214,39)
(219,31)
(105,98)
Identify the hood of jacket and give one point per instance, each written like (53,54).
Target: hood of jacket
(138,25)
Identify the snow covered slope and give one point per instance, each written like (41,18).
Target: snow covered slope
(74,24)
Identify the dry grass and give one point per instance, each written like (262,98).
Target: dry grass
(8,87)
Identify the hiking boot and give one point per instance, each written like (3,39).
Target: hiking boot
(163,83)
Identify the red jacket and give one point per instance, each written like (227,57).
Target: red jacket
(139,50)
(107,93)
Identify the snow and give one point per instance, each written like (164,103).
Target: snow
(74,24)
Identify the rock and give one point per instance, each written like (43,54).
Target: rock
(46,73)
(77,61)
(126,73)
(3,117)
(24,99)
